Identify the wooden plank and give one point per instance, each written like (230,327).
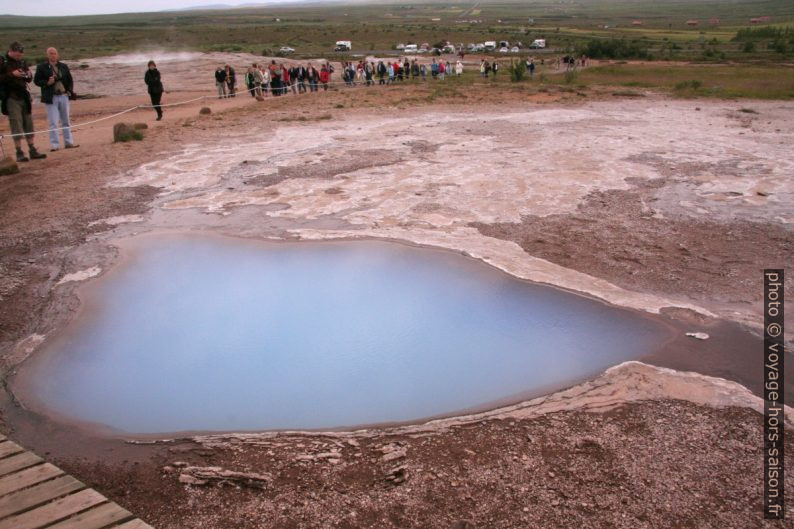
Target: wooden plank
(96,518)
(7,448)
(37,495)
(18,462)
(28,477)
(55,511)
(134,524)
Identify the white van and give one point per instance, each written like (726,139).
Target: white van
(411,48)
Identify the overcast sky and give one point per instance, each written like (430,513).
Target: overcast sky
(95,7)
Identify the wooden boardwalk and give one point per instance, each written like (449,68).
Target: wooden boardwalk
(35,494)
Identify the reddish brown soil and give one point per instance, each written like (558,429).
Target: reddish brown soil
(656,464)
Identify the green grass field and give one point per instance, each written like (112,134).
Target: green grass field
(380,25)
(312,30)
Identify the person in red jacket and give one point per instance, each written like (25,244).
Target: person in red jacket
(284,79)
(324,76)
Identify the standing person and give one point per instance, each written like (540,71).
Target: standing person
(293,78)
(249,81)
(442,70)
(313,76)
(434,69)
(16,103)
(531,68)
(259,80)
(359,71)
(154,86)
(55,81)
(381,68)
(458,68)
(275,78)
(495,68)
(324,77)
(423,71)
(285,82)
(220,82)
(231,80)
(265,79)
(414,69)
(303,74)
(483,62)
(390,71)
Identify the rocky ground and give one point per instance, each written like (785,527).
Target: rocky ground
(657,205)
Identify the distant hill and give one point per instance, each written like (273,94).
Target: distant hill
(210,7)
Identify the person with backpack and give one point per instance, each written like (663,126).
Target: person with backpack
(155,87)
(16,103)
(57,87)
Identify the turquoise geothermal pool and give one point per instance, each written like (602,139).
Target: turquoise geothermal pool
(194,332)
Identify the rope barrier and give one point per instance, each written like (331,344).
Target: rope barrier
(285,89)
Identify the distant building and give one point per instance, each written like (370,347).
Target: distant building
(691,22)
(714,22)
(761,20)
(636,22)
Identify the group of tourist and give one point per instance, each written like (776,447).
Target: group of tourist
(57,88)
(280,79)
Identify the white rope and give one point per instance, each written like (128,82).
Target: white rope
(69,127)
(285,89)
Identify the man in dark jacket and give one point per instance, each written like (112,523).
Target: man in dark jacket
(16,103)
(55,81)
(220,82)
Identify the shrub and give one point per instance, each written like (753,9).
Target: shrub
(613,49)
(518,71)
(124,132)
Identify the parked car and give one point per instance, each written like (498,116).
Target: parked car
(286,49)
(343,45)
(515,49)
(503,50)
(400,47)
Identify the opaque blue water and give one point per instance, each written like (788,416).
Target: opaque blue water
(210,333)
